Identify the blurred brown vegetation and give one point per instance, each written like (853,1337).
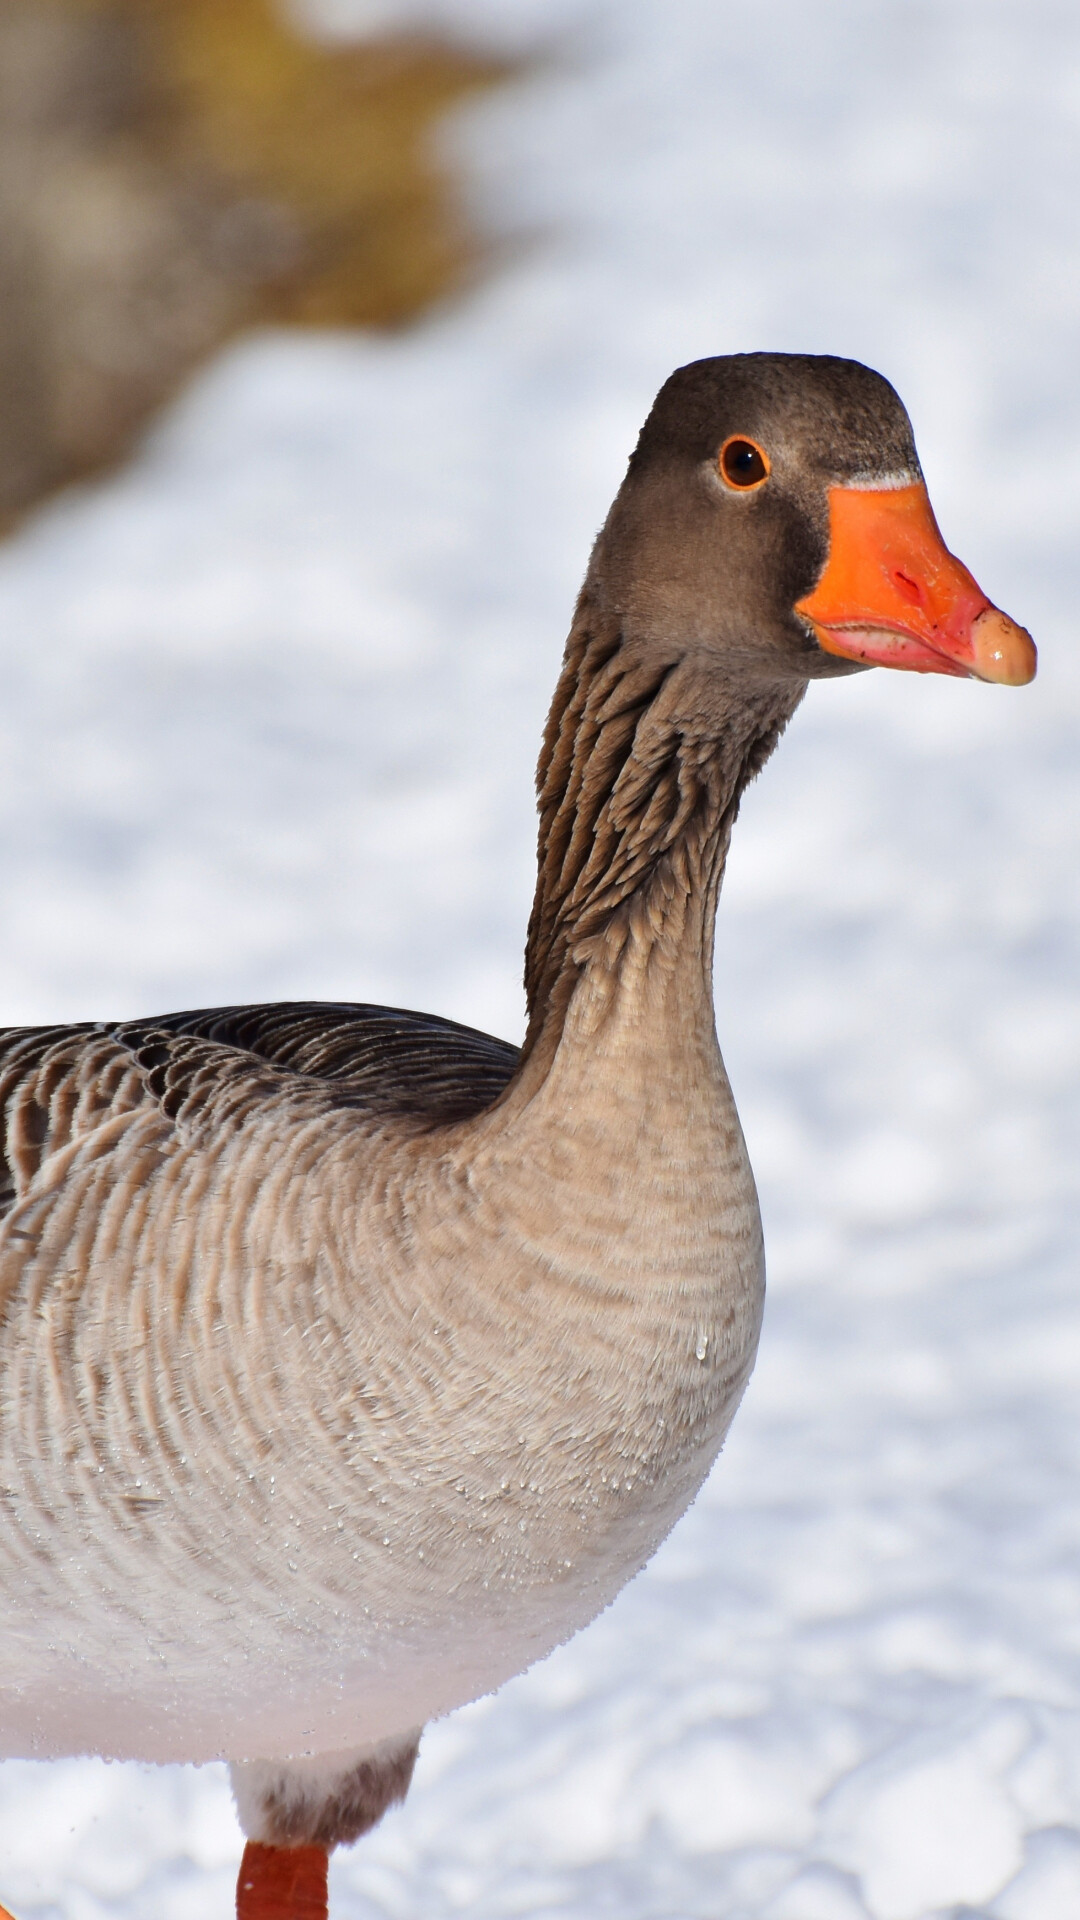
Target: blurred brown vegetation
(174,170)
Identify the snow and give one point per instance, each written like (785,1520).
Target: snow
(272,701)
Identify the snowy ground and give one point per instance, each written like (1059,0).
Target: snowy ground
(271,705)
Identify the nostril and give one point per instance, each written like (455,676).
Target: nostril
(910,588)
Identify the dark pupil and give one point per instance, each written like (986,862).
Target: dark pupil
(743,464)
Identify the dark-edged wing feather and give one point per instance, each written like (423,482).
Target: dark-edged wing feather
(382,1058)
(56,1082)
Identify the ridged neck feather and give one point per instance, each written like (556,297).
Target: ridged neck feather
(644,760)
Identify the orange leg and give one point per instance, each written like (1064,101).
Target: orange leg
(5,1915)
(280,1883)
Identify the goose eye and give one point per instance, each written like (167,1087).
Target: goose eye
(743,464)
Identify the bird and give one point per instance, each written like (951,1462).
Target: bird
(352,1359)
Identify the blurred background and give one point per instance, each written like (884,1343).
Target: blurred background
(325,333)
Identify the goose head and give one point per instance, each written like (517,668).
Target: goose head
(774,513)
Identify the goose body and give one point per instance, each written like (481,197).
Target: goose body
(349,1359)
(298,1383)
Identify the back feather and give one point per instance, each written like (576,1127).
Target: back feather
(58,1084)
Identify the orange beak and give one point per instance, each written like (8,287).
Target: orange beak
(893,595)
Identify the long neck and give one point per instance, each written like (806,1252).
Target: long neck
(641,772)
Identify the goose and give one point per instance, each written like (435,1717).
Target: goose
(350,1359)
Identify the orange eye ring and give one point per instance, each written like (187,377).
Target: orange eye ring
(742,464)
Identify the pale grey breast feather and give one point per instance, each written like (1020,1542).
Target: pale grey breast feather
(215,1065)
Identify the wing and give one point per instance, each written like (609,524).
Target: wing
(58,1085)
